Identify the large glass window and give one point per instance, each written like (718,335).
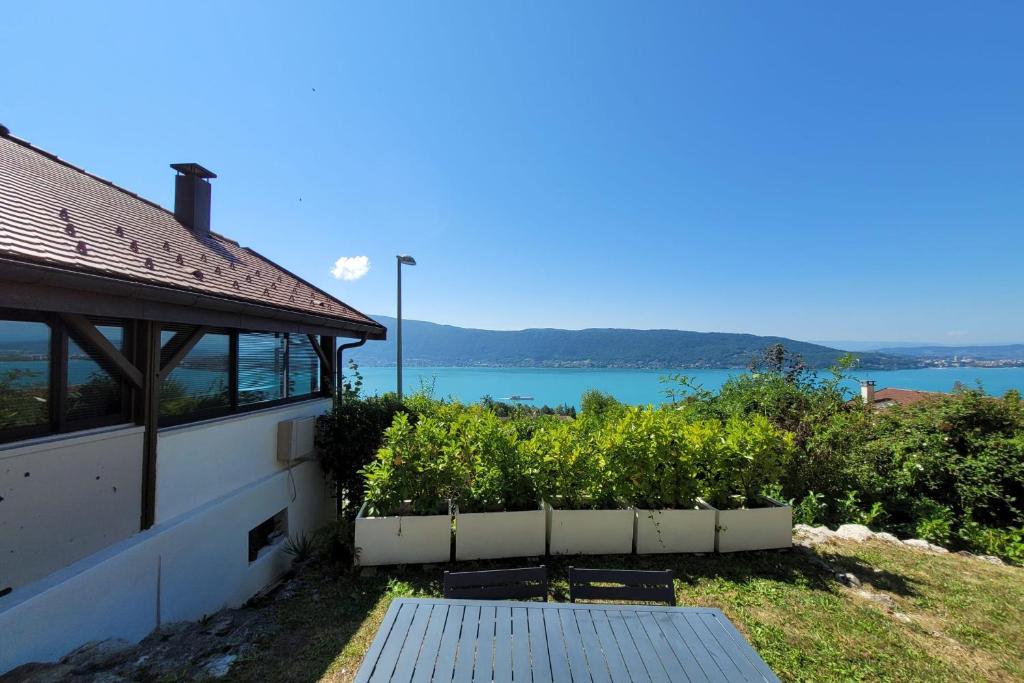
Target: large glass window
(24,374)
(94,390)
(200,384)
(303,366)
(261,366)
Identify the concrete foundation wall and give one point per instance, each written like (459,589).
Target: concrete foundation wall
(66,497)
(179,570)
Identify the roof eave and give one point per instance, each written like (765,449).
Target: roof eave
(50,277)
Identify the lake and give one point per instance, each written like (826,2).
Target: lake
(553,386)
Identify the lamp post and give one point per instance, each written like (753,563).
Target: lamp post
(402,259)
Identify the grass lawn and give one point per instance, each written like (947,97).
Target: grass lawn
(917,616)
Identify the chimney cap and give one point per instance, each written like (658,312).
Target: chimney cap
(192,168)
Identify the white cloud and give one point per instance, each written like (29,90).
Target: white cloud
(351,267)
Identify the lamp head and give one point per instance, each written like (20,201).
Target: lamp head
(406,260)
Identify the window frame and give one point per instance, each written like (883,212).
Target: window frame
(57,421)
(234,407)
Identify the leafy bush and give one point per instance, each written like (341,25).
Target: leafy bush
(751,458)
(347,439)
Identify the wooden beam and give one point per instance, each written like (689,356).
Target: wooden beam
(323,357)
(150,348)
(84,328)
(191,339)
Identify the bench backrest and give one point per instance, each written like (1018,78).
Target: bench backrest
(630,584)
(498,584)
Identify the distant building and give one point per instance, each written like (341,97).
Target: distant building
(886,398)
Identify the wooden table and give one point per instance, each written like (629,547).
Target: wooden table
(484,640)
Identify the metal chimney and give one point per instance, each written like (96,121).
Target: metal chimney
(192,197)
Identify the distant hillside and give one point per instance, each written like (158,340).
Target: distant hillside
(430,344)
(1004,352)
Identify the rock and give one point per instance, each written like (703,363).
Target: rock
(900,616)
(218,667)
(811,535)
(848,579)
(855,532)
(886,537)
(37,672)
(922,544)
(98,654)
(880,598)
(992,559)
(220,626)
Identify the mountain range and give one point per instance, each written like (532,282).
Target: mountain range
(432,344)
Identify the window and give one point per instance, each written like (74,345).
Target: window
(95,391)
(200,384)
(24,376)
(261,365)
(228,371)
(52,381)
(303,366)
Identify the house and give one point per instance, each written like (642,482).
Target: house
(158,384)
(886,398)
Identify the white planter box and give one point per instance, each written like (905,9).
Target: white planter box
(675,531)
(755,528)
(491,535)
(591,532)
(402,539)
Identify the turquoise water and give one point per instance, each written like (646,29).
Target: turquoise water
(554,386)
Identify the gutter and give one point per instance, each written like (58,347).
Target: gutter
(341,349)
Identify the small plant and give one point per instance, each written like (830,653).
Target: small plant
(934,522)
(301,547)
(811,509)
(335,542)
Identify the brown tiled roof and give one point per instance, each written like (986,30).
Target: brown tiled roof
(905,397)
(55,214)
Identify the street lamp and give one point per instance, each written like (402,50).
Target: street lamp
(402,259)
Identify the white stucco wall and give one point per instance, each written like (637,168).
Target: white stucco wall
(64,498)
(197,463)
(179,570)
(216,480)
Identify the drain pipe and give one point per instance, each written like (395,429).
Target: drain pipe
(341,349)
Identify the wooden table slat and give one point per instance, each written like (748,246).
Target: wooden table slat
(609,646)
(461,641)
(483,667)
(680,633)
(648,653)
(383,633)
(444,666)
(388,658)
(573,640)
(630,654)
(592,649)
(520,645)
(423,670)
(556,646)
(661,646)
(541,669)
(739,647)
(413,645)
(466,655)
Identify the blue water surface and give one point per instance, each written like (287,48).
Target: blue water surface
(553,386)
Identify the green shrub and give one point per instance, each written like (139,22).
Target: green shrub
(348,438)
(752,457)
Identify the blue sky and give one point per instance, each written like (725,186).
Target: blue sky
(801,169)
